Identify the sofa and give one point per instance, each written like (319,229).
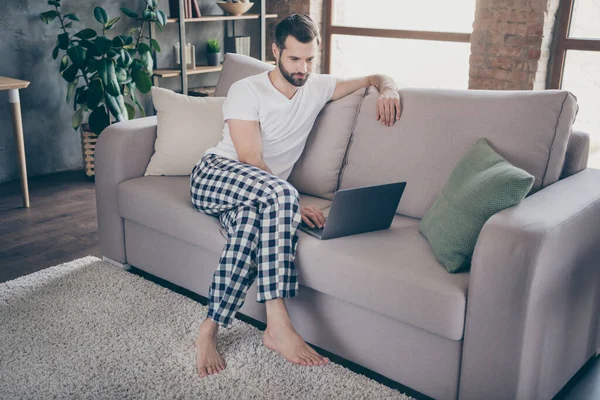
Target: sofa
(518,325)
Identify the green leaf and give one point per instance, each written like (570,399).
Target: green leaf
(112,84)
(68,25)
(55,52)
(80,96)
(147,62)
(72,17)
(149,15)
(98,120)
(48,16)
(136,65)
(101,15)
(152,3)
(142,80)
(77,118)
(143,48)
(64,63)
(125,60)
(70,73)
(111,23)
(161,18)
(133,31)
(95,93)
(122,76)
(63,41)
(102,71)
(103,44)
(77,55)
(132,88)
(54,3)
(92,65)
(86,33)
(118,42)
(129,13)
(117,108)
(71,89)
(155,45)
(130,111)
(88,44)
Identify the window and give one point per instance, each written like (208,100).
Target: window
(577,66)
(403,39)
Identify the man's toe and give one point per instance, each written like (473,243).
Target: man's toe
(202,372)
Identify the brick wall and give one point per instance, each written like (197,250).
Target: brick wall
(283,8)
(511,43)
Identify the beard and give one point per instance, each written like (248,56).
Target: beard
(294,79)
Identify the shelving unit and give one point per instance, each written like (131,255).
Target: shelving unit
(183,72)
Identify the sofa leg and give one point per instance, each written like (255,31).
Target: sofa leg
(126,267)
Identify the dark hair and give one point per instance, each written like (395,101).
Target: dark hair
(300,26)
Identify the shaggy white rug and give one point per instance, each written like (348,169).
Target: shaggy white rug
(89,330)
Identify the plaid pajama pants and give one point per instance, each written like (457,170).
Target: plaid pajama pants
(261,214)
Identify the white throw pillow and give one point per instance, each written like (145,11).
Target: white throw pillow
(186,127)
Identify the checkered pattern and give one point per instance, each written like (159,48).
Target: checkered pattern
(261,214)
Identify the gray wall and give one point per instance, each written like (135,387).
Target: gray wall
(51,144)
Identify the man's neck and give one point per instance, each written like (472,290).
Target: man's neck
(281,84)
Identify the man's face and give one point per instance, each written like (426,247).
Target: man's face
(296,60)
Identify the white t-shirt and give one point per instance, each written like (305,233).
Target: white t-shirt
(284,123)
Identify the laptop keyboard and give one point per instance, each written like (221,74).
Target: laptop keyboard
(316,229)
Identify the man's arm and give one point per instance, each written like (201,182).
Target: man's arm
(388,105)
(247,141)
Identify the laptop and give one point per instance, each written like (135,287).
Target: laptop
(359,210)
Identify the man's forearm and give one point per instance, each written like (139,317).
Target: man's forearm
(261,164)
(382,82)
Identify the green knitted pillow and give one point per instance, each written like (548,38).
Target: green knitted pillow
(481,184)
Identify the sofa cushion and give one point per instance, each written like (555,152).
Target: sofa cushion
(317,170)
(392,272)
(529,128)
(163,203)
(186,127)
(236,67)
(482,184)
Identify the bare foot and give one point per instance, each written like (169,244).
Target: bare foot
(284,339)
(209,361)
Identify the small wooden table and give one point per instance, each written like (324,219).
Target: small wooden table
(13,86)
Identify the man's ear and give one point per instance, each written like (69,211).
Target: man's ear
(275,51)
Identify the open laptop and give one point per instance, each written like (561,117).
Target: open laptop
(359,210)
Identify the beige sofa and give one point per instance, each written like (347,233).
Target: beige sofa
(517,326)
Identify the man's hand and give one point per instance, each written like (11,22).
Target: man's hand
(312,216)
(388,107)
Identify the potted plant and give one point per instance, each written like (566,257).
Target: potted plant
(213,52)
(103,72)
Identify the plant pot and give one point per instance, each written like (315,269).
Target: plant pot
(88,147)
(214,59)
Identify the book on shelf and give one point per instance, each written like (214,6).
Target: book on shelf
(238,44)
(205,91)
(196,8)
(174,8)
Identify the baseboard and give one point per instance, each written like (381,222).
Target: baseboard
(126,267)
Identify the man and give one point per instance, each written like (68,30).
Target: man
(243,182)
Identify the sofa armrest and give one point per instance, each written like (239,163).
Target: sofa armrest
(534,294)
(123,151)
(576,158)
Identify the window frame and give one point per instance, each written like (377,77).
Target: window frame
(331,30)
(565,43)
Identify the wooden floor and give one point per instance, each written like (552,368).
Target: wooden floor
(61,226)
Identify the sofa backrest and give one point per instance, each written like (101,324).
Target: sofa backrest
(530,129)
(236,67)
